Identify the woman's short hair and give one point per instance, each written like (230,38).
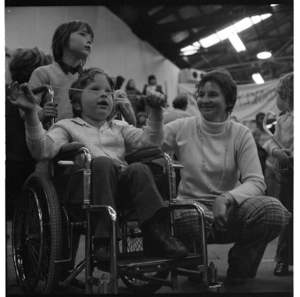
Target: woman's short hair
(24,61)
(286,83)
(61,36)
(82,82)
(225,82)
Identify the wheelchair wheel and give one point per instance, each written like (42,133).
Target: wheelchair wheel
(36,236)
(135,244)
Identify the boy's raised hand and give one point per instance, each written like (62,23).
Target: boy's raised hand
(21,96)
(155,100)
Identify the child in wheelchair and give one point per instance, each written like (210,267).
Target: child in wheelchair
(114,182)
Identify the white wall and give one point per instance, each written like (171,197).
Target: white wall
(115,48)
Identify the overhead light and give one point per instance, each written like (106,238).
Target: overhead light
(196,45)
(187,48)
(243,25)
(188,53)
(210,40)
(274,5)
(264,55)
(265,16)
(237,42)
(233,29)
(225,33)
(257,78)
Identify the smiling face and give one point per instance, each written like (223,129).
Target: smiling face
(211,103)
(96,101)
(80,44)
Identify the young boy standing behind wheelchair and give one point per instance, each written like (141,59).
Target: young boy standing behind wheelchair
(121,185)
(284,133)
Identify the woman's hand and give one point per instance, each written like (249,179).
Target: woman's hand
(219,210)
(21,96)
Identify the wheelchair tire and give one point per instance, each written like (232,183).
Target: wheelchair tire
(135,244)
(37,236)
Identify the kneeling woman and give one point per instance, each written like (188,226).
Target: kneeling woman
(216,154)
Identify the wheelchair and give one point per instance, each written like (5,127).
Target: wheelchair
(46,220)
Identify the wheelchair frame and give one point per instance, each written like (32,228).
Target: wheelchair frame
(117,267)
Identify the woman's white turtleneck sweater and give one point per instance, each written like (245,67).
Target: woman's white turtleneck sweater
(183,136)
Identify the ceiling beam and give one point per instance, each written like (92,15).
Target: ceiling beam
(237,65)
(231,11)
(219,23)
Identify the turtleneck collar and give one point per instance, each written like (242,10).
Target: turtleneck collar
(212,127)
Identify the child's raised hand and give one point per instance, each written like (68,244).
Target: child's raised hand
(21,96)
(155,99)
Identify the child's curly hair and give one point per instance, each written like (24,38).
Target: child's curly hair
(223,79)
(82,82)
(24,61)
(286,88)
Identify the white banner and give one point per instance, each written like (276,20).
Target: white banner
(252,99)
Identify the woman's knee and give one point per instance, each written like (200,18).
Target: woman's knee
(268,209)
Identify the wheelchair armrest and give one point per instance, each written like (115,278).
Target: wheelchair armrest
(142,154)
(69,150)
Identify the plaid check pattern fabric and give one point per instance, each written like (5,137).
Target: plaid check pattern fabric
(250,225)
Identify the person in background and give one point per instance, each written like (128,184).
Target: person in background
(271,169)
(264,136)
(284,133)
(151,86)
(134,96)
(119,82)
(19,163)
(180,104)
(262,154)
(215,152)
(141,119)
(114,182)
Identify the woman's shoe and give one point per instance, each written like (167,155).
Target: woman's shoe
(281,269)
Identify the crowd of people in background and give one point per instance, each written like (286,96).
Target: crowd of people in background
(242,172)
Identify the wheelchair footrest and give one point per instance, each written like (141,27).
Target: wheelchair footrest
(138,263)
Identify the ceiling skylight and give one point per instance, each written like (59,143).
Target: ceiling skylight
(257,78)
(237,42)
(210,40)
(228,33)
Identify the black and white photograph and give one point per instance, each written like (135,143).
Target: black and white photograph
(149,148)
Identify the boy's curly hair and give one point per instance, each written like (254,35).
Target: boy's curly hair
(61,36)
(286,83)
(224,80)
(24,61)
(82,82)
